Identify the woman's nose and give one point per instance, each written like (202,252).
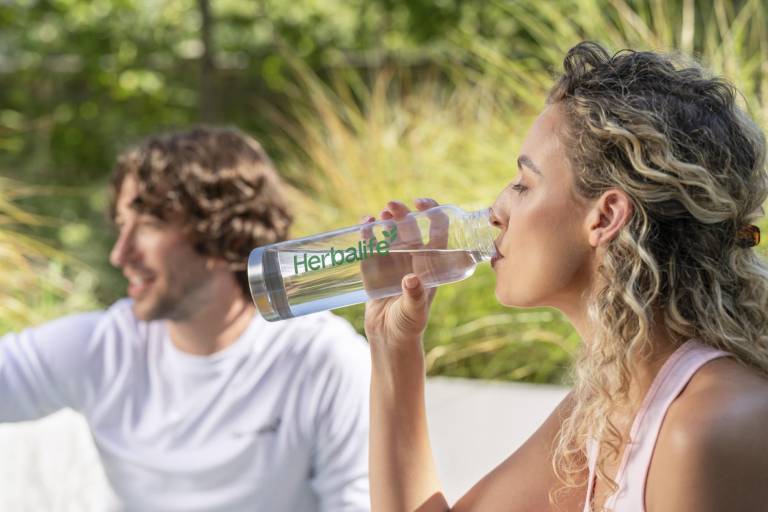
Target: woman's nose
(496,219)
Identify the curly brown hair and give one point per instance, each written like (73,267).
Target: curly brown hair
(672,137)
(218,181)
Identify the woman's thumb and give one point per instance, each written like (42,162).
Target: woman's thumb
(413,290)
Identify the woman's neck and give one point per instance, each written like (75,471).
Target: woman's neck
(643,368)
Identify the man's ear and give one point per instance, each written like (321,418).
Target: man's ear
(610,213)
(212,263)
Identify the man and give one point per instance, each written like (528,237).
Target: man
(194,401)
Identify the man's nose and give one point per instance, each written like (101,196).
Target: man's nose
(124,247)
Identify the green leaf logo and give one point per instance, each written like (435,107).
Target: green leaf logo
(390,235)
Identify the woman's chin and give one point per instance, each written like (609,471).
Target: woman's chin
(509,300)
(505,300)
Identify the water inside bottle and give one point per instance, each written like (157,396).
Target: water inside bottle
(294,293)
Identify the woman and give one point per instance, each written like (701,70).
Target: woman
(631,214)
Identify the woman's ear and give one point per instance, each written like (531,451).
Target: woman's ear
(610,213)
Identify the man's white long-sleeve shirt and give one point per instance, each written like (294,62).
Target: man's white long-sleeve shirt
(277,421)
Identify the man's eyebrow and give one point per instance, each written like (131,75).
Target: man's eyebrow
(524,160)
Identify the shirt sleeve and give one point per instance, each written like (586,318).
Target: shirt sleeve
(340,458)
(42,368)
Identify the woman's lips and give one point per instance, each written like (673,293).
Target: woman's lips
(496,256)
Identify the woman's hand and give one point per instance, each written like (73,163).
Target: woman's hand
(398,322)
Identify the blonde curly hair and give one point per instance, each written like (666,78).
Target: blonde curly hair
(693,164)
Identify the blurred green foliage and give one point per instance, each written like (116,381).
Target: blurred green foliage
(358,101)
(38,281)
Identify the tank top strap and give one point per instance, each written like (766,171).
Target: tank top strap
(592,450)
(674,375)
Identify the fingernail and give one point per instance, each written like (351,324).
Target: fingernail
(425,201)
(411,281)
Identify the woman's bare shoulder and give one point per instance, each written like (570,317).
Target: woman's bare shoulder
(712,441)
(721,395)
(721,381)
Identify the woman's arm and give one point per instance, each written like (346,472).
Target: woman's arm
(402,470)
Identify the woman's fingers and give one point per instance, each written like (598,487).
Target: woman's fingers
(425,203)
(367,231)
(407,234)
(438,223)
(398,209)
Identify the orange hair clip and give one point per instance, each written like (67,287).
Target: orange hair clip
(748,236)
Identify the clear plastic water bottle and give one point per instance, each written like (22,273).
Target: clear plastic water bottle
(352,265)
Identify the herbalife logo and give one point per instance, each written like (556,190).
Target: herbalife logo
(335,257)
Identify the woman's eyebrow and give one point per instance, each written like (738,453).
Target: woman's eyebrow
(524,160)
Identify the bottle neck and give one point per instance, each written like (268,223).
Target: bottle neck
(480,234)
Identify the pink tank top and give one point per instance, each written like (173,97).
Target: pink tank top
(633,468)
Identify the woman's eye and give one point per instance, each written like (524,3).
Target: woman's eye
(520,188)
